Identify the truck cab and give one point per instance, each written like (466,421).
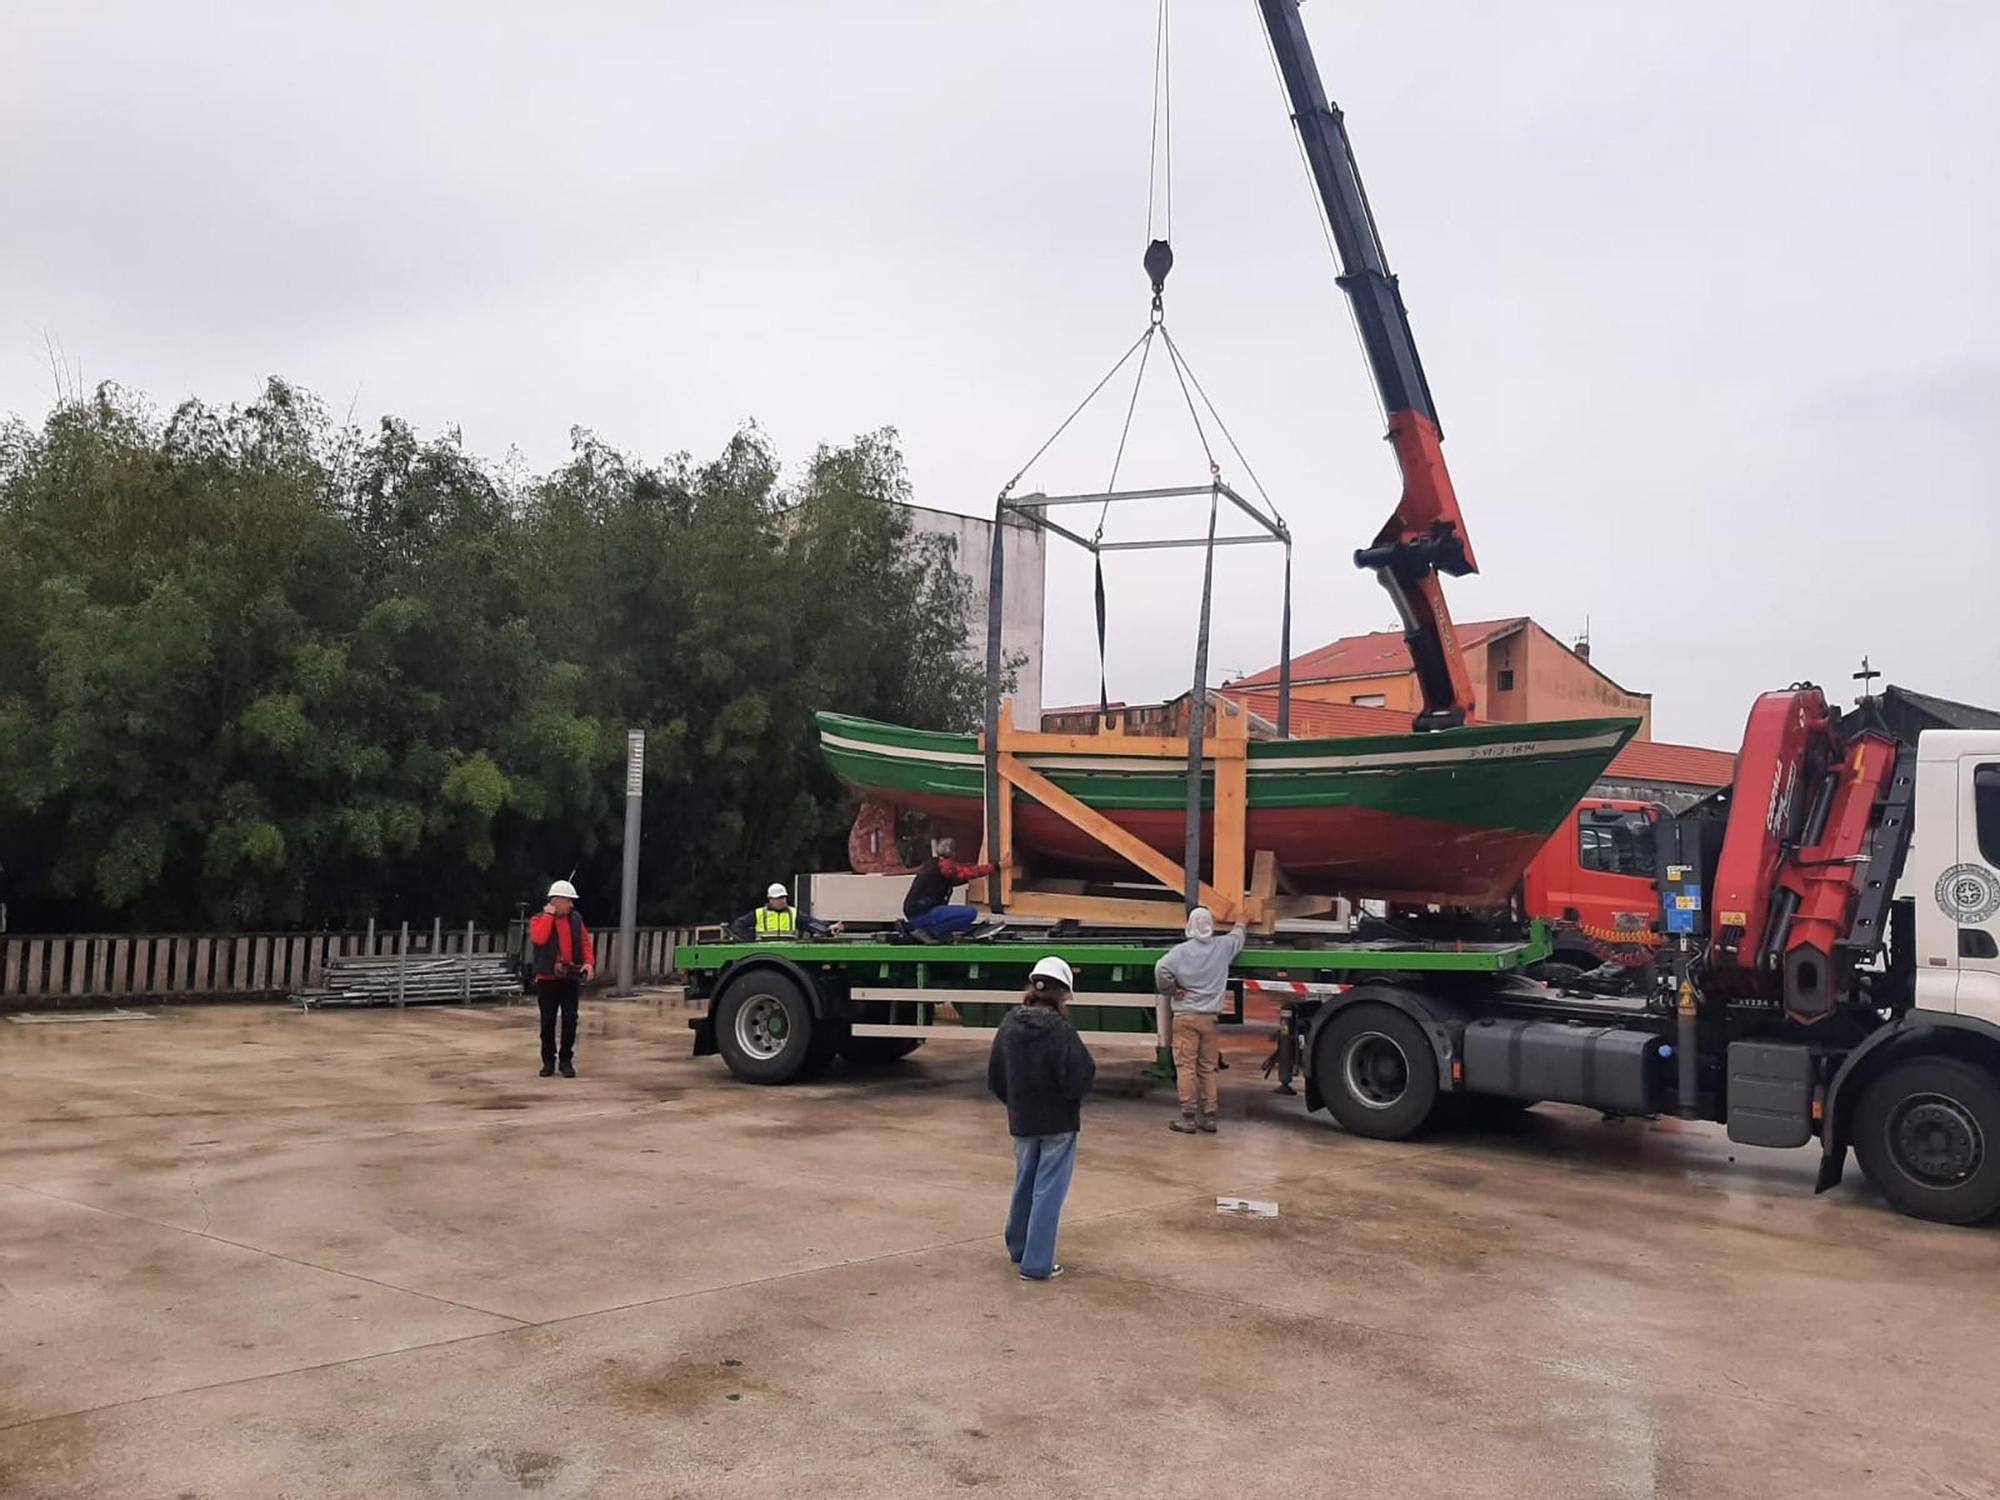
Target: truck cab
(1596,885)
(1954,874)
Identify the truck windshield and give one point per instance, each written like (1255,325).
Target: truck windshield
(1617,846)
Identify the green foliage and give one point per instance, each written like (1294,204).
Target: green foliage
(258,668)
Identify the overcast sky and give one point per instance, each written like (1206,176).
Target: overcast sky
(1706,291)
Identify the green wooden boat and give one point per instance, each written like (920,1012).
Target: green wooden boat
(1451,817)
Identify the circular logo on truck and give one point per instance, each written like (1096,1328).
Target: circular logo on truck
(1968,893)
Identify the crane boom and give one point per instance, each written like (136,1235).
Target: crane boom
(1425,536)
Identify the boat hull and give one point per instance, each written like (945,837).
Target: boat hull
(1453,817)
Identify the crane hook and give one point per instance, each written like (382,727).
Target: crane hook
(1159,260)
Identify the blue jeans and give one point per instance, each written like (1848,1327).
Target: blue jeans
(1043,1165)
(945,920)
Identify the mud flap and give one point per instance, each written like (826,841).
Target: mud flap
(1832,1162)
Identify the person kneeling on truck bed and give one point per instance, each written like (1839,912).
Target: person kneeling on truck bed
(776,919)
(928,907)
(1040,1069)
(1194,976)
(564,958)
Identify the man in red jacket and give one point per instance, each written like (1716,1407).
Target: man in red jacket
(564,958)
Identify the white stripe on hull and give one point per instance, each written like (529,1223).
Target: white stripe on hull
(1394,759)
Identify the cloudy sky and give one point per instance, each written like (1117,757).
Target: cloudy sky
(1706,291)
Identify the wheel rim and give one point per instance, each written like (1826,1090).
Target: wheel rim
(1935,1141)
(1377,1070)
(762,1027)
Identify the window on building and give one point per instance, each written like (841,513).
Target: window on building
(1986,811)
(1370,700)
(1616,844)
(1506,680)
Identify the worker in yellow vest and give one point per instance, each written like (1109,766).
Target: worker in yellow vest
(775,921)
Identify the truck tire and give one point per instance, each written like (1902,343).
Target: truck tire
(1377,1073)
(1927,1133)
(766,1031)
(877,1051)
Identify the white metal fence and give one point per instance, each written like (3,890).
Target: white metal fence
(109,966)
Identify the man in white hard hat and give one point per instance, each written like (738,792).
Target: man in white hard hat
(776,919)
(564,958)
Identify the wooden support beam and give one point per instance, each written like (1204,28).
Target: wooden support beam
(1110,911)
(1230,750)
(1263,886)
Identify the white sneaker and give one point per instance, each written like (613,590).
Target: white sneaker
(1054,1272)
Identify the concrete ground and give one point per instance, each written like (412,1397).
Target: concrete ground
(246,1252)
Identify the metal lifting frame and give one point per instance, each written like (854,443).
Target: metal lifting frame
(1033,510)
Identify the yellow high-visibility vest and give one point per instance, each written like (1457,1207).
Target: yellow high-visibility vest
(769,921)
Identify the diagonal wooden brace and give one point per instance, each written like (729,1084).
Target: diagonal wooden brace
(1114,838)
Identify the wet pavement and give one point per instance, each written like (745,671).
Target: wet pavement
(248,1252)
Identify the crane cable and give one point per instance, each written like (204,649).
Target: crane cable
(1159,260)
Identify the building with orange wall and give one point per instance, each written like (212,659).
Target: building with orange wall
(1520,673)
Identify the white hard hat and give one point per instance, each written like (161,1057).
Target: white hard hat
(774,892)
(1055,969)
(562,888)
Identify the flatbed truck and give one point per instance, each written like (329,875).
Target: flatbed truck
(1796,997)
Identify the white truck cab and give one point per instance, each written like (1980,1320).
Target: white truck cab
(1953,875)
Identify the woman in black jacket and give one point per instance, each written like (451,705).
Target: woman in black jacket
(1040,1070)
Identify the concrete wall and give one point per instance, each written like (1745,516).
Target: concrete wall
(1021,621)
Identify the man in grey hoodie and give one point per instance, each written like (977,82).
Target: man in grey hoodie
(1194,977)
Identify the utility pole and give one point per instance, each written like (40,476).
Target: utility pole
(628,895)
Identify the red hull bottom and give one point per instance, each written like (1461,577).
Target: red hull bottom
(1348,851)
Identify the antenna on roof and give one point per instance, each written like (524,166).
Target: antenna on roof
(1582,647)
(1866,677)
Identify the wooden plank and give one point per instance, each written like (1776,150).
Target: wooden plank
(260,963)
(1125,845)
(118,968)
(239,963)
(33,982)
(177,957)
(1232,805)
(1115,742)
(100,967)
(76,965)
(10,970)
(1112,910)
(1112,742)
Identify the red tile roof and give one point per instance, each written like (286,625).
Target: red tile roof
(1329,721)
(1382,653)
(1678,765)
(1649,761)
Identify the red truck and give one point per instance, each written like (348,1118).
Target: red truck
(1596,885)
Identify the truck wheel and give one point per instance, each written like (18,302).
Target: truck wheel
(1927,1133)
(876,1051)
(1376,1072)
(765,1030)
